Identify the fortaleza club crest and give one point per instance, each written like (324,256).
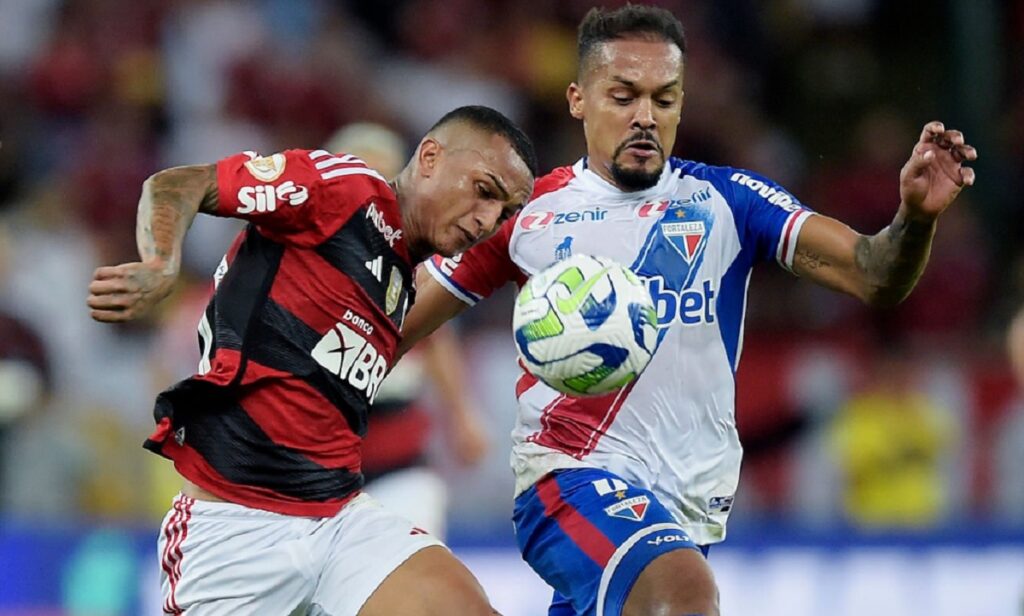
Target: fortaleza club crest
(687,237)
(630,509)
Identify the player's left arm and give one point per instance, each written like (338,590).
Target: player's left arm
(883,268)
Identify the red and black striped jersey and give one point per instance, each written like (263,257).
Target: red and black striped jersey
(301,330)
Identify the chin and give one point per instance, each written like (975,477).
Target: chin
(638,177)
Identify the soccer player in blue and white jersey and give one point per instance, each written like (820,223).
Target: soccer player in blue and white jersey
(616,496)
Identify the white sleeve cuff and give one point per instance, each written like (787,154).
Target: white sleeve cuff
(788,239)
(450,285)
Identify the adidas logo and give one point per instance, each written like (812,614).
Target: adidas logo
(375,266)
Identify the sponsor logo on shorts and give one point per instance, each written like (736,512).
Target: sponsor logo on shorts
(721,504)
(609,486)
(676,538)
(630,509)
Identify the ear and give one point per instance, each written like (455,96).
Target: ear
(428,156)
(575,97)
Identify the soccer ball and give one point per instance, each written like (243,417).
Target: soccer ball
(585,325)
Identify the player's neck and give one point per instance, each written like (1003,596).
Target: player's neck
(413,238)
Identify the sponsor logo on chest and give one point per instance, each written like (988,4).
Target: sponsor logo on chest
(266,198)
(536,221)
(345,352)
(375,216)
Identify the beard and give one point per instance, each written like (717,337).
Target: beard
(636,179)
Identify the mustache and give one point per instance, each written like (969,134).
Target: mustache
(640,136)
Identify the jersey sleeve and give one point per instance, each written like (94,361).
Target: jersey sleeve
(770,217)
(481,270)
(296,196)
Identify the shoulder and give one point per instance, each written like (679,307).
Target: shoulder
(701,171)
(554,181)
(737,185)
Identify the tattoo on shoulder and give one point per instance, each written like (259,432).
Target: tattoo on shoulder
(811,260)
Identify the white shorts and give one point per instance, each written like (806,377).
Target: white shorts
(416,493)
(226,559)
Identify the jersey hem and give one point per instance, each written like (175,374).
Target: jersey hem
(265,503)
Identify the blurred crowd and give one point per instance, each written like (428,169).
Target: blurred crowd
(903,418)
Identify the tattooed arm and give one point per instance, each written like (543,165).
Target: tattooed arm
(169,202)
(882,269)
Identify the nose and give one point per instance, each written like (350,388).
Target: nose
(644,116)
(487,217)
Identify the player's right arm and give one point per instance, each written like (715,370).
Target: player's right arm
(297,196)
(447,286)
(170,200)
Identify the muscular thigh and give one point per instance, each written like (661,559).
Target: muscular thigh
(380,564)
(431,582)
(677,583)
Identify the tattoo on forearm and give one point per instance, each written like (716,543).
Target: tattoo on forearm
(894,259)
(811,260)
(169,202)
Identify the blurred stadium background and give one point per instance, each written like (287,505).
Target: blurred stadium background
(885,451)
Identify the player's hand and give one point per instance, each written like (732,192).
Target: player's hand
(935,174)
(128,291)
(469,442)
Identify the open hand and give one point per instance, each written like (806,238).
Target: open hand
(935,175)
(128,291)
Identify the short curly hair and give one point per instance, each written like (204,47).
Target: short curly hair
(633,20)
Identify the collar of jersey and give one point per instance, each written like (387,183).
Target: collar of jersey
(592,182)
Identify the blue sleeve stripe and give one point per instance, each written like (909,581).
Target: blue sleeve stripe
(453,287)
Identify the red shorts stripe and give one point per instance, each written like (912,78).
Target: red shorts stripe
(584,534)
(165,561)
(178,555)
(176,532)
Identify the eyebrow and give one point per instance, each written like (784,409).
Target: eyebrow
(497,181)
(631,84)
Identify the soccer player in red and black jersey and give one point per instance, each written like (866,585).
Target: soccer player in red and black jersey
(301,330)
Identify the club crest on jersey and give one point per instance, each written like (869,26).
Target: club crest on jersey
(630,509)
(394,292)
(265,168)
(686,236)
